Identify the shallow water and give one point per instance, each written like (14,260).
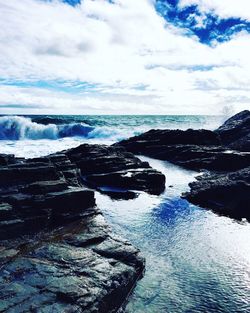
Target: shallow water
(196,261)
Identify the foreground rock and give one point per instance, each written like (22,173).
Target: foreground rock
(224,152)
(45,192)
(81,268)
(57,254)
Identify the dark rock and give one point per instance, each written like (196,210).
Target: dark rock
(6,211)
(202,157)
(227,193)
(11,228)
(38,194)
(6,159)
(22,173)
(93,231)
(49,191)
(147,180)
(191,156)
(99,159)
(88,271)
(118,194)
(191,148)
(107,166)
(235,132)
(44,187)
(225,152)
(119,249)
(57,252)
(242,144)
(73,199)
(158,137)
(198,149)
(6,255)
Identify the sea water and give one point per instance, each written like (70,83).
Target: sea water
(31,136)
(196,261)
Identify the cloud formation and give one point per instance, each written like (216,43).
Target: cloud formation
(222,8)
(114,57)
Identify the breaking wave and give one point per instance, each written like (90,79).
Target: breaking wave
(18,128)
(96,129)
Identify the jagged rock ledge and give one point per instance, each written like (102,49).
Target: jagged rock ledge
(57,253)
(225,152)
(198,149)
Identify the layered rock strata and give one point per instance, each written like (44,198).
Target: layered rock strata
(57,254)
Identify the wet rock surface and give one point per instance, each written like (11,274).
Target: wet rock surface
(224,152)
(57,254)
(107,166)
(81,268)
(36,195)
(225,193)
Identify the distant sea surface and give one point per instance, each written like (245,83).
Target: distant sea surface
(196,261)
(36,135)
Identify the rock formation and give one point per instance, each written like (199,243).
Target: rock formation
(103,166)
(225,193)
(234,133)
(224,152)
(57,254)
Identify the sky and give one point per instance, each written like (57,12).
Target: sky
(124,56)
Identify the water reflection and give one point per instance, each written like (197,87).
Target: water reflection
(196,261)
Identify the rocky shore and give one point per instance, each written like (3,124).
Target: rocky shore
(57,252)
(225,153)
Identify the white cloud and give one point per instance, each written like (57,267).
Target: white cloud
(222,8)
(139,63)
(199,20)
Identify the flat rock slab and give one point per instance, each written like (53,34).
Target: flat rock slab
(80,269)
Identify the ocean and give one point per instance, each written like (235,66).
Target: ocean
(196,261)
(31,136)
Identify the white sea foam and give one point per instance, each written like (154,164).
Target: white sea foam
(19,128)
(41,135)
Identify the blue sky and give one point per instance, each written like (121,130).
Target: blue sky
(124,56)
(207,26)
